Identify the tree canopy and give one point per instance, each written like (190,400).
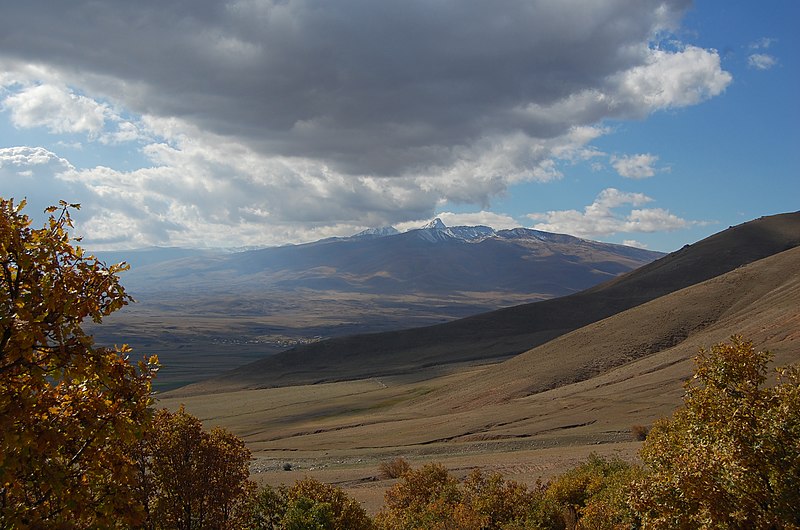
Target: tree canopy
(70,411)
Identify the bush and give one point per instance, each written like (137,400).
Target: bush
(431,498)
(323,505)
(394,468)
(729,457)
(266,508)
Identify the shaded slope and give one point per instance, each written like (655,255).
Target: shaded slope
(508,332)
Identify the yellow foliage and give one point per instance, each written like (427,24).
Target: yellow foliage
(70,411)
(730,457)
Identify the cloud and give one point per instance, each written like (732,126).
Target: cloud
(602,218)
(56,109)
(634,243)
(761,61)
(495,220)
(283,120)
(31,173)
(762,43)
(635,166)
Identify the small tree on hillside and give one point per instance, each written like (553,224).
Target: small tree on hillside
(195,479)
(70,412)
(730,457)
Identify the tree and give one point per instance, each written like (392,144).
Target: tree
(70,411)
(730,456)
(192,478)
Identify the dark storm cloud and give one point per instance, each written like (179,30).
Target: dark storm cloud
(365,87)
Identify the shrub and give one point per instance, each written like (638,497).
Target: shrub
(394,468)
(266,508)
(323,505)
(431,498)
(729,457)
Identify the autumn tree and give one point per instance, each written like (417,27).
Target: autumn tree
(192,478)
(730,456)
(70,411)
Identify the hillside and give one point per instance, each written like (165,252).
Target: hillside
(205,312)
(504,333)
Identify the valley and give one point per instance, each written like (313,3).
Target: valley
(529,415)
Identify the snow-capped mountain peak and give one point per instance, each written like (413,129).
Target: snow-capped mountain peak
(436,224)
(378,232)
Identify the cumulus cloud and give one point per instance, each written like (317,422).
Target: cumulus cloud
(635,166)
(287,120)
(603,217)
(58,110)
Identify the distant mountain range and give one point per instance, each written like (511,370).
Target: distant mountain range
(508,332)
(433,259)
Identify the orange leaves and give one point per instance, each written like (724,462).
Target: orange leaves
(191,478)
(69,411)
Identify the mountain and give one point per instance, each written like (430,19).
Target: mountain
(433,259)
(377,232)
(508,332)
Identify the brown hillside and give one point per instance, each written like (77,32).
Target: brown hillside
(501,334)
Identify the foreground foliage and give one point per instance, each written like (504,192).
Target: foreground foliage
(730,457)
(308,505)
(432,498)
(70,412)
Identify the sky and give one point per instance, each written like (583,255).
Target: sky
(240,123)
